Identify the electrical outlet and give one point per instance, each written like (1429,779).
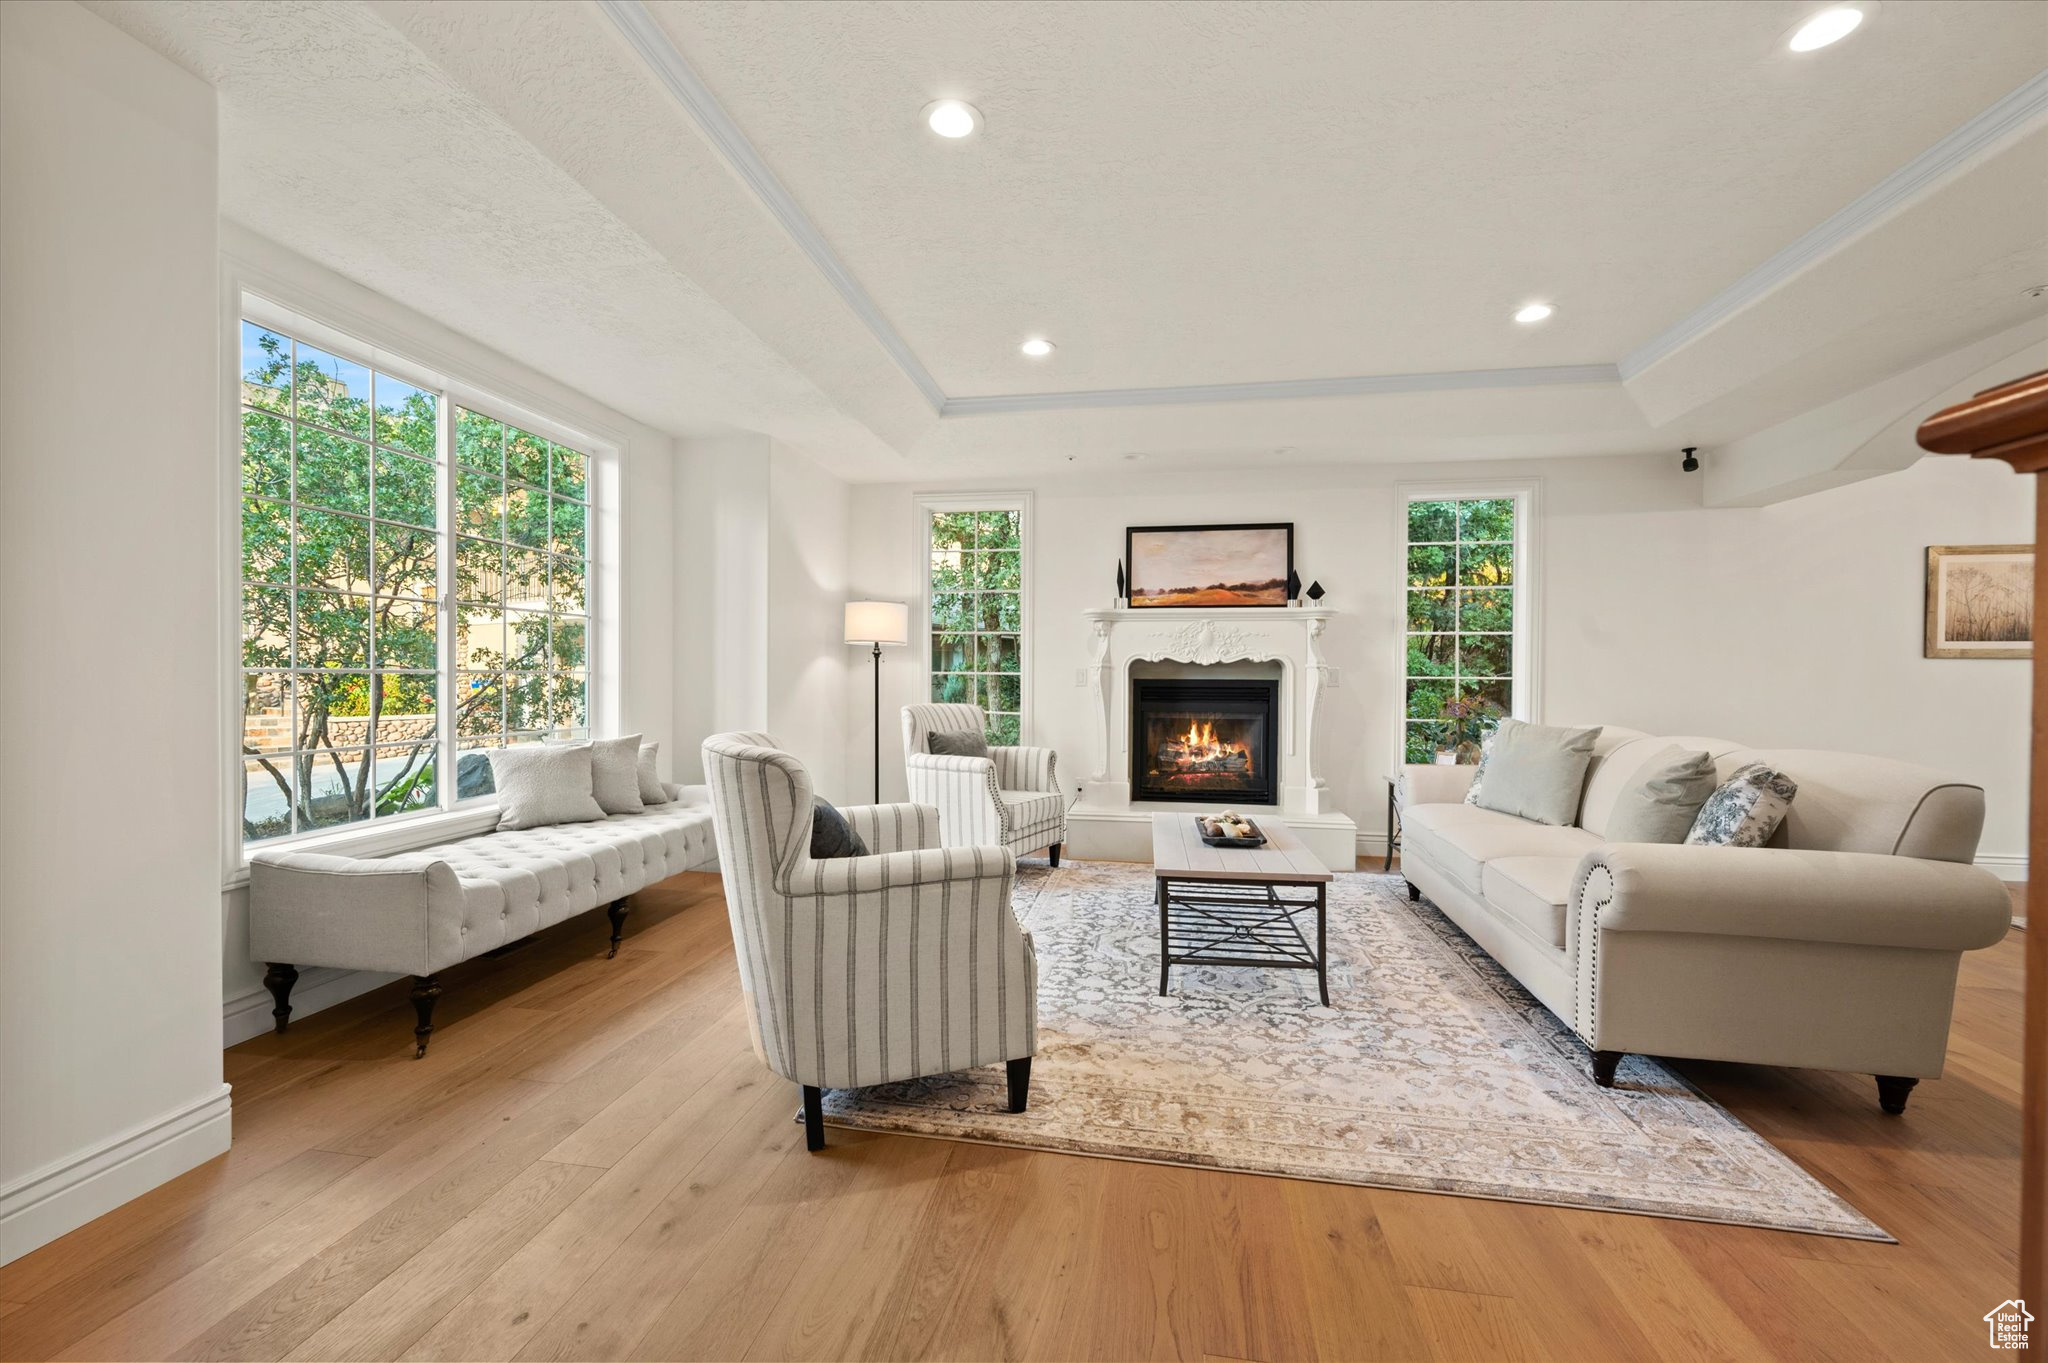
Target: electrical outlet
(1080,676)
(1330,678)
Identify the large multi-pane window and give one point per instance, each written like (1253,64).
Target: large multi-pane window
(977,614)
(1461,623)
(349,556)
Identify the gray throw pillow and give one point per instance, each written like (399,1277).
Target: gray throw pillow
(615,774)
(1660,801)
(1537,771)
(1746,810)
(652,791)
(831,834)
(964,744)
(544,783)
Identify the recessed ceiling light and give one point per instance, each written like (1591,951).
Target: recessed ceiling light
(1037,347)
(1533,313)
(1829,26)
(952,118)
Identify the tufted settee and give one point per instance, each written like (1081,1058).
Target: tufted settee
(417,913)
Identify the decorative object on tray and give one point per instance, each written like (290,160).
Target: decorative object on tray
(1209,565)
(1229,829)
(1980,601)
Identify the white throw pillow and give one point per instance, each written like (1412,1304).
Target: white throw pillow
(544,783)
(1662,801)
(1537,771)
(652,791)
(615,774)
(1746,810)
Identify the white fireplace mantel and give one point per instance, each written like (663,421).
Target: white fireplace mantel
(1213,637)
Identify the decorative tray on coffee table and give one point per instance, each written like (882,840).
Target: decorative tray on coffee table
(1257,839)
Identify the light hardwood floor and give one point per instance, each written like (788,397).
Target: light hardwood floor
(591,1164)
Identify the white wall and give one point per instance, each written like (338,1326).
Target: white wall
(810,666)
(1795,624)
(110,1070)
(636,599)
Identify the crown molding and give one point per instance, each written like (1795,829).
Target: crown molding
(1456,380)
(648,39)
(630,17)
(2014,111)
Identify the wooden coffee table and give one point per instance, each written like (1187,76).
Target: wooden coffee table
(1224,906)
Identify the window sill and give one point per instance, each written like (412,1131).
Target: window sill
(381,838)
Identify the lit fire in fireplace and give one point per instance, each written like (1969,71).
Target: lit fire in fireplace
(1200,751)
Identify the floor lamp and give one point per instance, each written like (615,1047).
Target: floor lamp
(876,623)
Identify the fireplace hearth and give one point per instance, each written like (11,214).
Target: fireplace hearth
(1209,742)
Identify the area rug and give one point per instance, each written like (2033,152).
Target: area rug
(1432,1070)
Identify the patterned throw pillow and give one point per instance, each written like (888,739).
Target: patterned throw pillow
(831,834)
(1485,754)
(964,744)
(1746,810)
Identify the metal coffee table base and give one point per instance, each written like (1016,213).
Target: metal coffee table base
(1214,922)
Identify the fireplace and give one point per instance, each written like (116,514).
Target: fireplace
(1206,741)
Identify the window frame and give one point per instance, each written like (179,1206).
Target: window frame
(1525,683)
(924,506)
(245,298)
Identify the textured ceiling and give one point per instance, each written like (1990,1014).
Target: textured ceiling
(1179,194)
(1200,193)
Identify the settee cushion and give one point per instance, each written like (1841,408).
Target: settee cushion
(615,774)
(1532,891)
(543,784)
(1460,839)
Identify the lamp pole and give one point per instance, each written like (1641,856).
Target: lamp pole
(878,720)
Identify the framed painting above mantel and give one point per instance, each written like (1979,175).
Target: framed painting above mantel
(1209,566)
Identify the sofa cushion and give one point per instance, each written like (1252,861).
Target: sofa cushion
(1536,771)
(543,784)
(831,835)
(615,774)
(1619,765)
(1661,801)
(1033,813)
(1746,810)
(1460,839)
(1532,891)
(964,744)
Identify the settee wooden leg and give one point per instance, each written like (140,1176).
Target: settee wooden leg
(1604,1065)
(617,911)
(1892,1091)
(279,980)
(1054,852)
(814,1118)
(1020,1083)
(426,991)
(1414,895)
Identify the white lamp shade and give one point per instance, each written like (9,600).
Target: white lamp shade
(877,622)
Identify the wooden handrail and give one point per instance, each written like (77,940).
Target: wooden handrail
(2010,423)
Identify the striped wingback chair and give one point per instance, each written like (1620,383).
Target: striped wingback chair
(866,970)
(1011,798)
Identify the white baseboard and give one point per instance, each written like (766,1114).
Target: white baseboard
(2012,868)
(64,1195)
(248,1014)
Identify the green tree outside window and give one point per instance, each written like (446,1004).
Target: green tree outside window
(1460,620)
(977,580)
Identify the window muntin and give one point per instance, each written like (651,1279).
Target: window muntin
(977,614)
(347,559)
(1461,612)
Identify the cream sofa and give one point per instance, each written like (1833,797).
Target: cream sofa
(1836,947)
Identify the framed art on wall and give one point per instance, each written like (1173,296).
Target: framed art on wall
(1980,601)
(1209,565)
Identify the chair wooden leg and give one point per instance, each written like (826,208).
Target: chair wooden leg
(1054,852)
(1020,1083)
(617,911)
(426,991)
(1892,1091)
(814,1118)
(279,980)
(1604,1065)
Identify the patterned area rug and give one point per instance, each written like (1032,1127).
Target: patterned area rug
(1431,1070)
